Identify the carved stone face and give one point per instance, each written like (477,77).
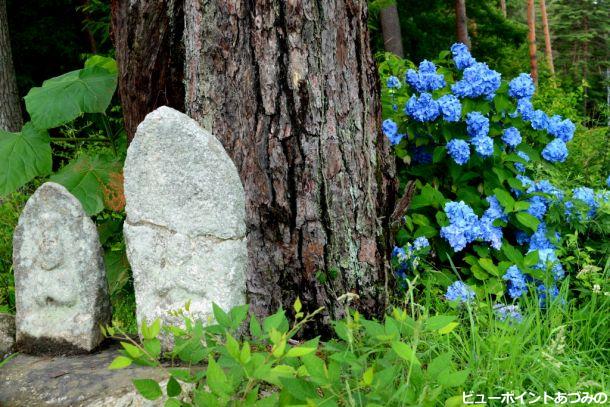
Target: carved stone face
(52,265)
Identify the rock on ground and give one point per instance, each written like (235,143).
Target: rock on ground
(60,284)
(80,380)
(7,334)
(185,229)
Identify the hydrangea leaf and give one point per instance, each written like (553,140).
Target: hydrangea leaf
(86,178)
(23,156)
(62,99)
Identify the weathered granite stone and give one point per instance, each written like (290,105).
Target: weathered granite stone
(60,284)
(185,228)
(7,334)
(79,380)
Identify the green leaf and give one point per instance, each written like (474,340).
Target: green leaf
(148,388)
(255,328)
(173,387)
(448,328)
(86,178)
(132,350)
(505,199)
(405,352)
(232,347)
(153,347)
(64,98)
(172,403)
(120,362)
(221,317)
(528,221)
(238,315)
(108,64)
(489,266)
(453,379)
(23,156)
(299,351)
(117,270)
(440,364)
(438,321)
(512,253)
(217,379)
(531,258)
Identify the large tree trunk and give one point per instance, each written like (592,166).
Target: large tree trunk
(547,37)
(531,24)
(461,22)
(390,27)
(291,90)
(10,109)
(147,36)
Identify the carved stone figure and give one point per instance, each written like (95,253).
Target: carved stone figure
(185,229)
(60,284)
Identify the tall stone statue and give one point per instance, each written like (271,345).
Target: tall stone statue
(60,284)
(185,229)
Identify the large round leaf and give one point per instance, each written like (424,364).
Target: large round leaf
(23,156)
(86,178)
(64,98)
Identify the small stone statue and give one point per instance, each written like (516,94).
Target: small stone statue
(60,284)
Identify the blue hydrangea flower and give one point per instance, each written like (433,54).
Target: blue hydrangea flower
(508,313)
(517,285)
(461,56)
(483,145)
(519,166)
(459,151)
(489,232)
(421,243)
(458,291)
(562,129)
(545,187)
(540,121)
(608,181)
(539,240)
(451,108)
(477,124)
(511,137)
(521,87)
(393,83)
(547,259)
(464,226)
(426,80)
(537,207)
(423,108)
(525,109)
(390,129)
(495,210)
(544,292)
(521,237)
(420,155)
(478,80)
(586,195)
(555,151)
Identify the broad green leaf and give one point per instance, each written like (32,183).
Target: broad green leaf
(299,351)
(62,99)
(108,64)
(221,317)
(367,376)
(512,253)
(439,364)
(117,270)
(148,388)
(448,328)
(528,221)
(120,362)
(86,178)
(153,347)
(438,322)
(131,350)
(173,387)
(505,199)
(453,379)
(489,266)
(405,352)
(217,379)
(23,156)
(172,403)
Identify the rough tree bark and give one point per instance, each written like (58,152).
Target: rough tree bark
(531,36)
(548,50)
(10,109)
(390,27)
(290,89)
(461,22)
(148,39)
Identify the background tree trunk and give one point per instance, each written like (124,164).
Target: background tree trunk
(503,7)
(148,39)
(461,22)
(547,37)
(390,27)
(291,90)
(10,109)
(531,23)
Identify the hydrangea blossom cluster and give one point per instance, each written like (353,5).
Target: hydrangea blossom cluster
(461,56)
(408,257)
(426,80)
(393,83)
(465,226)
(451,108)
(508,313)
(459,151)
(478,80)
(390,130)
(511,137)
(521,87)
(423,108)
(516,281)
(519,166)
(458,291)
